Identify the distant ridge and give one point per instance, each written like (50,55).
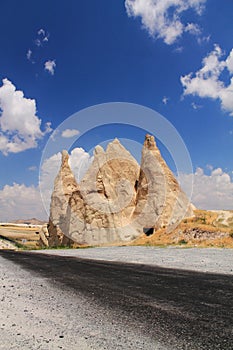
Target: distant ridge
(32,221)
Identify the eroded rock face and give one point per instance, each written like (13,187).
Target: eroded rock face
(160,200)
(44,234)
(101,210)
(64,186)
(116,200)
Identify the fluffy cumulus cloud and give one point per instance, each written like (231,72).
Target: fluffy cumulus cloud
(20,202)
(163,18)
(50,66)
(68,133)
(213,191)
(207,82)
(20,128)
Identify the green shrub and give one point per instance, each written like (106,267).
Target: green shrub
(182,241)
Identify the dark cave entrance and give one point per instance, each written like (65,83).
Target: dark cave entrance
(148,231)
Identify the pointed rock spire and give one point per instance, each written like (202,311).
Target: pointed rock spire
(64,186)
(160,200)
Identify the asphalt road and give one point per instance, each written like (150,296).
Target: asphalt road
(176,308)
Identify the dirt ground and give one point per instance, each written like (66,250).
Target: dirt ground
(23,236)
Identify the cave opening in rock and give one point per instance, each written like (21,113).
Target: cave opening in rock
(148,231)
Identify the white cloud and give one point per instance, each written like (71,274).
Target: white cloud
(29,54)
(20,128)
(203,39)
(196,106)
(179,49)
(43,36)
(207,83)
(20,202)
(50,66)
(70,133)
(217,172)
(54,134)
(214,191)
(229,62)
(80,161)
(165,100)
(209,167)
(162,18)
(193,29)
(38,42)
(41,32)
(32,168)
(48,128)
(49,170)
(46,38)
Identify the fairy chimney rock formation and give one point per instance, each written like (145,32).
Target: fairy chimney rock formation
(64,186)
(117,199)
(160,200)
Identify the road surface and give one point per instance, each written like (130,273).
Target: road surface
(113,305)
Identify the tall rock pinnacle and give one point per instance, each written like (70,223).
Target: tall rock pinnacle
(160,200)
(64,186)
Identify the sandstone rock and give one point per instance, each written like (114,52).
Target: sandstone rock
(160,200)
(44,234)
(64,186)
(116,200)
(101,210)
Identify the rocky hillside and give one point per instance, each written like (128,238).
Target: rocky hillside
(204,229)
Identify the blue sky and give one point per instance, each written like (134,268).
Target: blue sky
(58,58)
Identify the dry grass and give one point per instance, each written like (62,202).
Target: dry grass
(204,221)
(25,237)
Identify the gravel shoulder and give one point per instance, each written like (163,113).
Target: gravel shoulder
(212,260)
(33,314)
